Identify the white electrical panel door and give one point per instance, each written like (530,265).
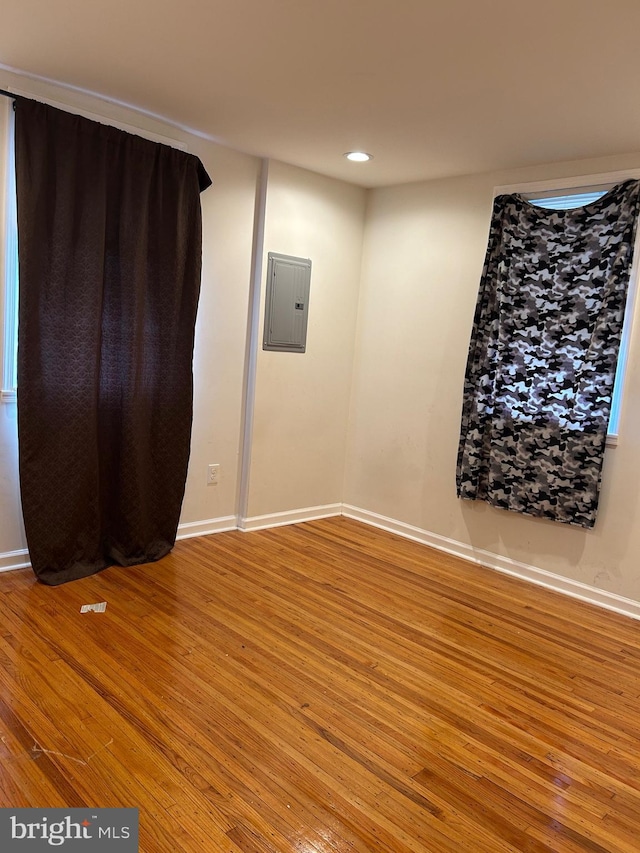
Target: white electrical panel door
(287,303)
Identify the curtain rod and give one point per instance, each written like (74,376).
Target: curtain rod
(13,97)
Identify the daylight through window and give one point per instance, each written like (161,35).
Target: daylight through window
(9,254)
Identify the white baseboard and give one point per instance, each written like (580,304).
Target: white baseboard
(12,560)
(189,529)
(294,516)
(523,571)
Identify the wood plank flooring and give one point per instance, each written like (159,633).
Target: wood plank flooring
(323,688)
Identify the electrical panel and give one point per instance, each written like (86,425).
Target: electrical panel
(287,303)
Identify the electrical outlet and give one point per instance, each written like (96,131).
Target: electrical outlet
(213,474)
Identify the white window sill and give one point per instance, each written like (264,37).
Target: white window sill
(8,396)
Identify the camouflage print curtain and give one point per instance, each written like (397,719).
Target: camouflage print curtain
(543,354)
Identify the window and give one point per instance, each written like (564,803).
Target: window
(578,193)
(9,255)
(565,202)
(543,351)
(9,236)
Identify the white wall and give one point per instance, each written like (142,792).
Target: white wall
(423,256)
(11,529)
(219,356)
(302,400)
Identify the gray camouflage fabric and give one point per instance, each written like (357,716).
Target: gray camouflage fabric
(543,354)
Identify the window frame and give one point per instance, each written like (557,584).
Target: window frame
(590,183)
(9,258)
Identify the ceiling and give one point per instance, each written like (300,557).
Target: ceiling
(431,88)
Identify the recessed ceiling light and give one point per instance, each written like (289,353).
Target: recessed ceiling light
(358,156)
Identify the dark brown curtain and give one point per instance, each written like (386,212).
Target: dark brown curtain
(109,241)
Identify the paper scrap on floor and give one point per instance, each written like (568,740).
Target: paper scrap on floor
(97,608)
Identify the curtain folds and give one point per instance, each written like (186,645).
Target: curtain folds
(543,354)
(109,241)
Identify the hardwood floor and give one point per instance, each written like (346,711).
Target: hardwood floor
(321,688)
